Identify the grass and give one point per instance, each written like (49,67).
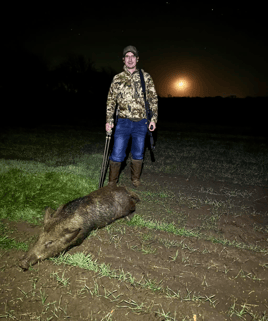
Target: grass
(61,279)
(7,242)
(171,228)
(161,226)
(24,193)
(86,262)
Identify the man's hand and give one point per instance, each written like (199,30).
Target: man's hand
(109,127)
(152,124)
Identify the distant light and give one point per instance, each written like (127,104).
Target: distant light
(180,85)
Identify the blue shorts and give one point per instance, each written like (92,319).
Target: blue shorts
(124,128)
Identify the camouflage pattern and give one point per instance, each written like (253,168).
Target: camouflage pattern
(126,91)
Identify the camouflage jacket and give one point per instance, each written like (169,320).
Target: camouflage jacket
(126,91)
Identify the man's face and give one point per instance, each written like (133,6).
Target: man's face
(130,61)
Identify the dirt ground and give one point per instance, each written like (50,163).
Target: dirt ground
(192,278)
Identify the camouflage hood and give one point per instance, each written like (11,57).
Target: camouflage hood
(126,91)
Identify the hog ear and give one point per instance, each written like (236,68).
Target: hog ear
(70,234)
(58,210)
(48,214)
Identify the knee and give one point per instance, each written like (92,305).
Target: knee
(137,151)
(117,158)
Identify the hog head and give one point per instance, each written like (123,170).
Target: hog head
(57,236)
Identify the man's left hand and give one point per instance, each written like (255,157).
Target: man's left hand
(152,124)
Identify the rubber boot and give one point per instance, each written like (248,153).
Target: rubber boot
(136,165)
(114,172)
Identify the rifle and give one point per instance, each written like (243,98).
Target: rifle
(149,113)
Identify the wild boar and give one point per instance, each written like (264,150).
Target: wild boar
(71,223)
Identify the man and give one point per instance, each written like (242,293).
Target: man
(126,90)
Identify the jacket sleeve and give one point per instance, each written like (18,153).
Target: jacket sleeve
(152,98)
(111,103)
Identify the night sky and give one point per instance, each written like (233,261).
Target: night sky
(189,50)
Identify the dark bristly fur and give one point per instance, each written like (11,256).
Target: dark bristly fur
(71,223)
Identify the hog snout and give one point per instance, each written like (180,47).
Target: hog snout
(24,264)
(25,261)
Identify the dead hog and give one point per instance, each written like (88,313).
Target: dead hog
(71,223)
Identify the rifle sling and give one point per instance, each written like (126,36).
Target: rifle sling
(147,109)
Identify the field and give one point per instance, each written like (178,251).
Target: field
(196,248)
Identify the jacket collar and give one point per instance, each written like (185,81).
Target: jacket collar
(128,72)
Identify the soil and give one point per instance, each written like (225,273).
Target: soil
(198,279)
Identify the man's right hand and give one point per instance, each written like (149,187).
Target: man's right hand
(109,127)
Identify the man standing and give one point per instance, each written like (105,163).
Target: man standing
(126,91)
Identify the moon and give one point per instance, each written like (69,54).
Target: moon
(180,85)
